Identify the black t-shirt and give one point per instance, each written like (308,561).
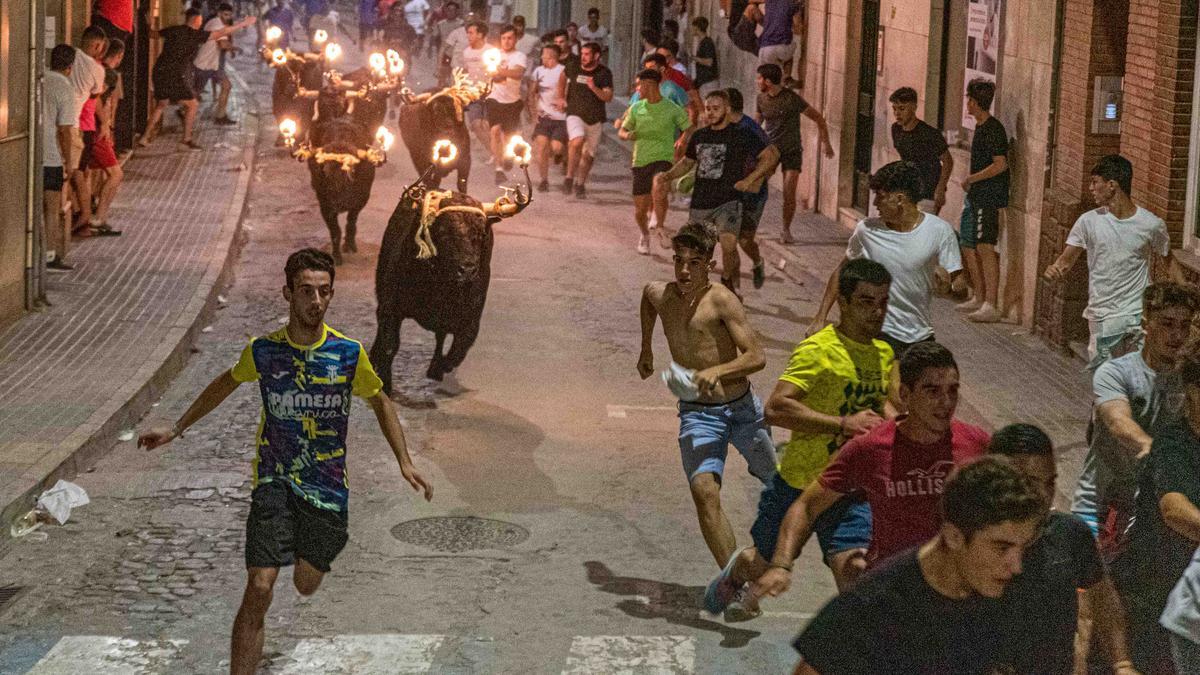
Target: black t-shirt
(922,146)
(581,102)
(722,158)
(989,142)
(1041,636)
(707,49)
(1157,555)
(893,621)
(180,44)
(781,119)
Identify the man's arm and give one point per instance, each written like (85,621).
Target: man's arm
(767,160)
(605,94)
(212,396)
(649,317)
(822,128)
(786,409)
(230,30)
(998,166)
(803,668)
(1181,515)
(385,412)
(1108,621)
(793,534)
(1063,263)
(680,169)
(1117,416)
(694,106)
(750,358)
(821,318)
(939,192)
(63,136)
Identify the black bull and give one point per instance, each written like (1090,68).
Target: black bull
(444,293)
(423,123)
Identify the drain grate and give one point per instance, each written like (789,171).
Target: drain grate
(454,534)
(8,594)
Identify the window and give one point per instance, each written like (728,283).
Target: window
(1191,219)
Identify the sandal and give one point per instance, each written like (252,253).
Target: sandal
(105,230)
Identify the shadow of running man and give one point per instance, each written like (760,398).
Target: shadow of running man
(675,603)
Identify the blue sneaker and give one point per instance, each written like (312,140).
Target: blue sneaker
(721,590)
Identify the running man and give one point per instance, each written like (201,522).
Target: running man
(306,373)
(472,62)
(209,64)
(752,203)
(657,127)
(912,244)
(722,154)
(504,104)
(550,131)
(836,387)
(920,143)
(587,87)
(779,112)
(714,351)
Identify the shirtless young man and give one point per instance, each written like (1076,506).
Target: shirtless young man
(708,335)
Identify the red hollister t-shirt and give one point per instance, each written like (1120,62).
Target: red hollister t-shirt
(902,480)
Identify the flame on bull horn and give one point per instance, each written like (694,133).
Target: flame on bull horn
(444,152)
(377,61)
(491,59)
(518,150)
(384,138)
(278,57)
(320,37)
(273,34)
(333,51)
(395,64)
(287,127)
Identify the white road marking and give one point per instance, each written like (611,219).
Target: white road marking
(103,655)
(364,655)
(622,411)
(799,616)
(631,655)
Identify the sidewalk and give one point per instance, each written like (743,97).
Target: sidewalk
(1007,374)
(75,375)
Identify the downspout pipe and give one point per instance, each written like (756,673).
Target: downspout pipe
(34,293)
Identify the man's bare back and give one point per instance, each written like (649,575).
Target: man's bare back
(698,332)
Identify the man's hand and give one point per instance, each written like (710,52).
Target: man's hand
(828,150)
(860,423)
(645,364)
(816,326)
(560,103)
(681,143)
(747,185)
(966,182)
(156,438)
(773,582)
(416,480)
(707,380)
(1054,272)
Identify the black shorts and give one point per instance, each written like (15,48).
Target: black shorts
(52,178)
(900,347)
(282,526)
(555,130)
(173,85)
(507,116)
(791,160)
(85,157)
(643,177)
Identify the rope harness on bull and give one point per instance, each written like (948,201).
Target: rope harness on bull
(431,208)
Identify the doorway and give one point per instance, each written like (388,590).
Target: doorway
(864,125)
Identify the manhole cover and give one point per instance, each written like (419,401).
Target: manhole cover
(459,533)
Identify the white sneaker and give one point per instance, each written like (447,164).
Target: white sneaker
(972,304)
(985,314)
(643,246)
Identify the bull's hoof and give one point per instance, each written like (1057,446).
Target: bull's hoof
(349,246)
(435,373)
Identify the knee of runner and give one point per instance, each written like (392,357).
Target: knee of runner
(306,588)
(706,490)
(259,589)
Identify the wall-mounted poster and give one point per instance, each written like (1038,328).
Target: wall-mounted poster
(983,46)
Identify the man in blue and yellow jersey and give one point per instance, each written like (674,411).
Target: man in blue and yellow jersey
(840,383)
(306,373)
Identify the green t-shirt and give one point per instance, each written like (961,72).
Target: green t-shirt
(656,126)
(838,377)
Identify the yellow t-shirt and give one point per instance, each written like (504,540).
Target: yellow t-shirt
(838,377)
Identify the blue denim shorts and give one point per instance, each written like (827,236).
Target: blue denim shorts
(705,432)
(844,526)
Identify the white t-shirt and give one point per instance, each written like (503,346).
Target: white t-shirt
(500,11)
(58,110)
(1182,613)
(546,81)
(208,57)
(600,36)
(87,80)
(509,89)
(472,62)
(531,46)
(454,44)
(1118,254)
(414,14)
(912,258)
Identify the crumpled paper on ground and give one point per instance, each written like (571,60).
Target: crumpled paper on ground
(60,499)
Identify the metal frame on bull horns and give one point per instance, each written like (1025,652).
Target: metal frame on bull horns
(511,202)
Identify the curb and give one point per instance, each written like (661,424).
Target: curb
(94,438)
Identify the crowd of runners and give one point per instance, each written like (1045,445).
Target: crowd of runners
(940,536)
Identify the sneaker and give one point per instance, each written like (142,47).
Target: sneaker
(191,145)
(985,314)
(59,266)
(760,274)
(568,186)
(643,246)
(743,607)
(721,590)
(544,186)
(785,237)
(580,192)
(501,177)
(224,121)
(971,305)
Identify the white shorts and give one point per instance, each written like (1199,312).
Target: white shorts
(777,54)
(590,133)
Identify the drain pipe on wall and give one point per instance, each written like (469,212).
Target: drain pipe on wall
(816,205)
(34,294)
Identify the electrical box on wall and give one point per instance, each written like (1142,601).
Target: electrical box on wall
(1106,105)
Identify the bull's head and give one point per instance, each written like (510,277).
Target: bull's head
(303,150)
